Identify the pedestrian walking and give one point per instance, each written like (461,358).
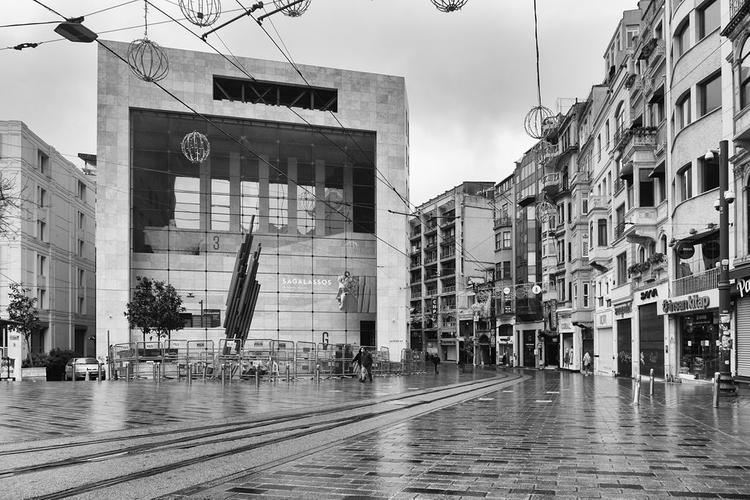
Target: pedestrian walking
(363,360)
(586,363)
(436,362)
(504,359)
(566,358)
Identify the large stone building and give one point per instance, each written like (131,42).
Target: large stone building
(324,200)
(47,242)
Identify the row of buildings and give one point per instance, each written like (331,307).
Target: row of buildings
(607,233)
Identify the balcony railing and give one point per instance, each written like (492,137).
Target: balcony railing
(619,230)
(503,221)
(447,253)
(735,6)
(449,289)
(619,184)
(598,202)
(551,181)
(416,295)
(707,280)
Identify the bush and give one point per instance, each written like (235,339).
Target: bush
(37,359)
(56,360)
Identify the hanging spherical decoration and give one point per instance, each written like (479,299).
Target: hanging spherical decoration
(448,5)
(147,60)
(201,12)
(295,10)
(545,211)
(535,120)
(195,147)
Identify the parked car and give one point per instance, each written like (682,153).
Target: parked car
(78,367)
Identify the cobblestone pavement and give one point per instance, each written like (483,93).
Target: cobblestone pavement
(559,434)
(32,410)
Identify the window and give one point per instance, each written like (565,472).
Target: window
(41,230)
(584,206)
(305,199)
(709,18)
(682,39)
(561,289)
(645,188)
(709,95)
(498,241)
(682,112)
(80,248)
(81,191)
(220,196)
(709,173)
(41,298)
(506,239)
(745,74)
(81,220)
(506,270)
(41,197)
(249,194)
(570,213)
(585,295)
(41,269)
(631,34)
(622,268)
(606,134)
(43,163)
(575,293)
(602,233)
(570,251)
(585,246)
(570,290)
(599,147)
(684,183)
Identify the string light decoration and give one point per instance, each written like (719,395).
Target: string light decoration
(201,13)
(448,5)
(545,211)
(539,115)
(195,147)
(287,7)
(147,59)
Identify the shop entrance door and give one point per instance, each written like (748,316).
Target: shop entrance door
(529,344)
(624,348)
(651,330)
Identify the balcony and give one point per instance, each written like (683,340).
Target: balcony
(707,280)
(503,221)
(431,226)
(430,258)
(416,232)
(416,295)
(641,226)
(598,203)
(448,220)
(415,250)
(448,272)
(600,258)
(430,276)
(416,263)
(737,10)
(447,253)
(660,142)
(549,262)
(431,292)
(550,128)
(636,143)
(547,153)
(551,182)
(618,185)
(449,289)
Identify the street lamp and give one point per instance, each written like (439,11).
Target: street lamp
(726,382)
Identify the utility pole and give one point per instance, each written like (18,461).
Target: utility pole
(726,382)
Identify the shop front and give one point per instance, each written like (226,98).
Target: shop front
(568,352)
(603,320)
(623,317)
(741,295)
(650,329)
(694,319)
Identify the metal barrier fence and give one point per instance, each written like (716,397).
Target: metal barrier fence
(257,359)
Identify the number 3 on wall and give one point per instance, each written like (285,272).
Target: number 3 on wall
(216,242)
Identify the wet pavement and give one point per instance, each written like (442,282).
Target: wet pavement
(551,434)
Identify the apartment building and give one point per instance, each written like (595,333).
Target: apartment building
(452,272)
(504,206)
(47,244)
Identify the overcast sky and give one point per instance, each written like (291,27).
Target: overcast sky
(470,75)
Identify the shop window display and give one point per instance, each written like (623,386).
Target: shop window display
(699,355)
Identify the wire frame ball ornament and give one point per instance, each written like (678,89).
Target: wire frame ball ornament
(295,10)
(544,211)
(535,120)
(195,147)
(147,60)
(448,5)
(201,12)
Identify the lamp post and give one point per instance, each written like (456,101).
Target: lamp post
(726,382)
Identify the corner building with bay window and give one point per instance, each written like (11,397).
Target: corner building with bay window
(318,172)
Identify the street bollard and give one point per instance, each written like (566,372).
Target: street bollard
(637,391)
(190,373)
(221,373)
(205,370)
(287,373)
(651,382)
(716,389)
(257,376)
(87,377)
(99,374)
(317,373)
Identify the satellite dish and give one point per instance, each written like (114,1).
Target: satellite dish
(536,289)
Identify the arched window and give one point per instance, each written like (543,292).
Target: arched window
(745,74)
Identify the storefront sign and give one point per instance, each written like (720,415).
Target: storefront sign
(743,286)
(691,303)
(306,282)
(623,309)
(649,294)
(565,326)
(604,320)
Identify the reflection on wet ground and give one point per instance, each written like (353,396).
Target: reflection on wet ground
(560,434)
(39,409)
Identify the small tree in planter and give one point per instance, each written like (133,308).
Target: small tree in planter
(56,361)
(22,309)
(155,308)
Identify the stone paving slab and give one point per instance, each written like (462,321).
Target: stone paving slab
(558,435)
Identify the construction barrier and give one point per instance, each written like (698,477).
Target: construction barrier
(257,360)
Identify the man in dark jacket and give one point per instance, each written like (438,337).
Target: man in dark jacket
(436,362)
(364,359)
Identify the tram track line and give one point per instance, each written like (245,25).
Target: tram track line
(474,389)
(231,426)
